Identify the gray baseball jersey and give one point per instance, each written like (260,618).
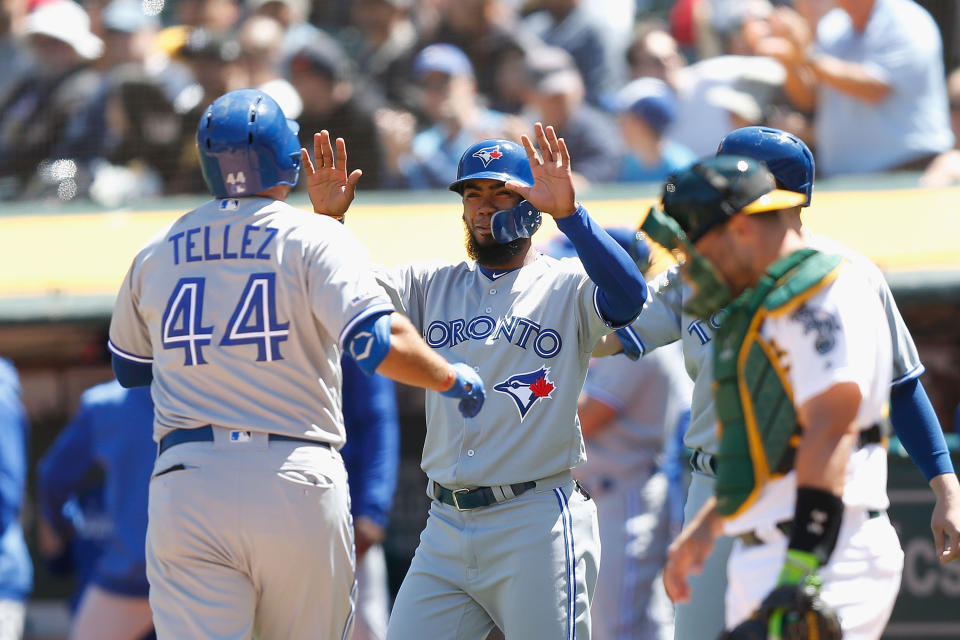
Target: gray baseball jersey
(242,307)
(527,565)
(662,322)
(649,396)
(531,332)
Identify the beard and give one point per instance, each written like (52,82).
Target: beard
(495,254)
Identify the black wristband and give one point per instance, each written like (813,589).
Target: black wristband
(816,522)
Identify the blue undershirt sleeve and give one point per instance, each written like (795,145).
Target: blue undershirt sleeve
(131,374)
(622,289)
(915,423)
(372,452)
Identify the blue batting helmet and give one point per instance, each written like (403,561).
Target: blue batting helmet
(786,155)
(493,159)
(247,145)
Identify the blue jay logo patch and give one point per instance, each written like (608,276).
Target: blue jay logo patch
(527,388)
(488,155)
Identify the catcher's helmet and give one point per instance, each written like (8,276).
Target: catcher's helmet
(247,145)
(786,155)
(493,159)
(713,190)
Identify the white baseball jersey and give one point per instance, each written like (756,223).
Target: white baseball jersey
(242,307)
(662,322)
(531,332)
(838,335)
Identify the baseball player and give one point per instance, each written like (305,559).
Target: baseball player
(663,322)
(628,410)
(802,369)
(16,570)
(236,315)
(110,430)
(510,541)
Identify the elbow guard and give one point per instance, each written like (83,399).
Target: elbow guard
(369,343)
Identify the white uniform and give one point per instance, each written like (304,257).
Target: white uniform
(529,563)
(623,475)
(837,336)
(241,306)
(662,322)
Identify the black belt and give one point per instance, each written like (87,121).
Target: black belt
(469,499)
(751,539)
(205,434)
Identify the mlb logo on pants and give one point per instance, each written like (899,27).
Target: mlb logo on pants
(240,436)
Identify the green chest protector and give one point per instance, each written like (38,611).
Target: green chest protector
(754,401)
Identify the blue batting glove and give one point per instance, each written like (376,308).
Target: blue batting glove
(468,387)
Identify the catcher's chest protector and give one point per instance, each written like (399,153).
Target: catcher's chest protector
(756,417)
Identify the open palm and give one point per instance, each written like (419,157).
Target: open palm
(331,189)
(552,190)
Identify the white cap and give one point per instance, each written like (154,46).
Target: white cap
(66,21)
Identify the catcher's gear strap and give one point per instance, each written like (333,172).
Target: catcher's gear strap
(816,522)
(755,412)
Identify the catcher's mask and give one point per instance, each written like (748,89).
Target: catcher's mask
(702,197)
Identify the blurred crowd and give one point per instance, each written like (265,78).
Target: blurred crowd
(101,100)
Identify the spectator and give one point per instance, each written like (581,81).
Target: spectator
(558,97)
(702,114)
(945,169)
(569,24)
(381,41)
(216,66)
(371,456)
(36,113)
(16,572)
(298,32)
(216,16)
(485,30)
(112,429)
(141,141)
(648,107)
(13,54)
(322,76)
(874,75)
(455,118)
(261,39)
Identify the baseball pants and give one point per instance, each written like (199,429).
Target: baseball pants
(630,601)
(528,565)
(12,614)
(860,582)
(703,616)
(373,596)
(250,536)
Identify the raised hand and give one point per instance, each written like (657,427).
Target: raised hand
(552,190)
(331,189)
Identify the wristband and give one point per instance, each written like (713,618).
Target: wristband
(816,522)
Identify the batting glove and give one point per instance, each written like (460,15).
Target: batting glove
(468,387)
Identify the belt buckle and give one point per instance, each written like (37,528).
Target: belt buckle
(456,503)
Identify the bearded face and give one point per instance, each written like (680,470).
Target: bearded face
(490,253)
